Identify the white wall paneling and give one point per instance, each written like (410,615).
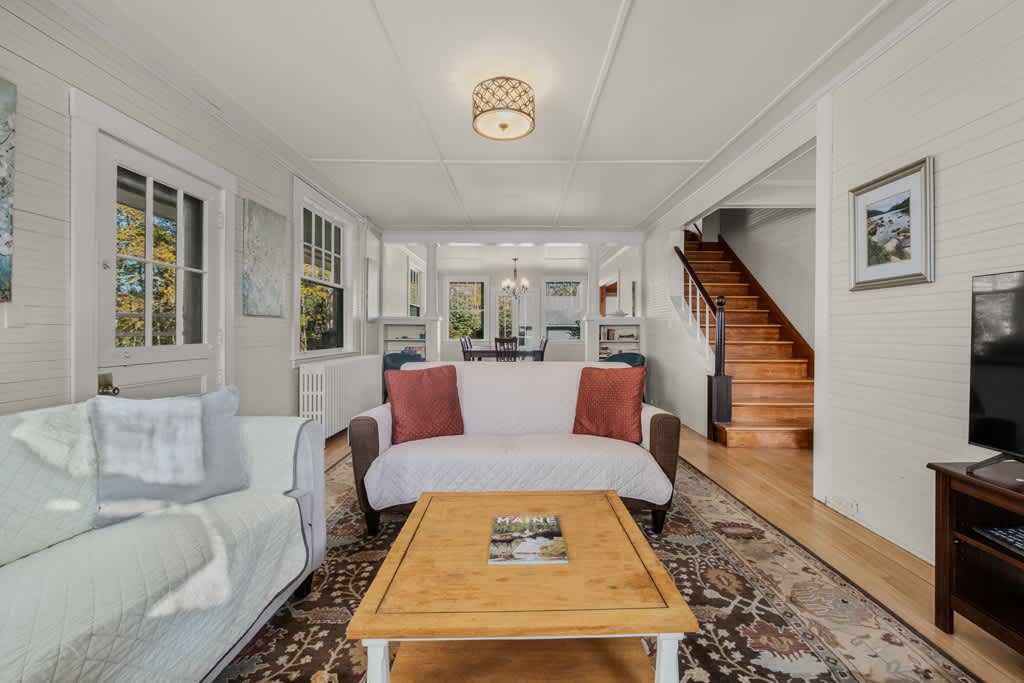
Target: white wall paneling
(777,246)
(47,52)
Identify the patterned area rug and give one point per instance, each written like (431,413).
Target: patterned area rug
(770,611)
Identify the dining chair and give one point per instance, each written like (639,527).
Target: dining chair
(506,349)
(467,347)
(539,354)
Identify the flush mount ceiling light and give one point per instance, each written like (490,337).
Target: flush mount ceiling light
(503,108)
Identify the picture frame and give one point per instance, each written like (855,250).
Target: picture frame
(892,228)
(8,105)
(265,261)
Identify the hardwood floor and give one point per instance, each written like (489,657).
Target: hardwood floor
(777,484)
(336,450)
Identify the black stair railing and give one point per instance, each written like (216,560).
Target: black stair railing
(702,308)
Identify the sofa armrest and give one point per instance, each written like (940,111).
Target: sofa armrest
(369,435)
(660,430)
(286,456)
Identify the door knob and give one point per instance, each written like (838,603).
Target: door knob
(106,385)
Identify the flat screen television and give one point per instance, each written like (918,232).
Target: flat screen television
(997,364)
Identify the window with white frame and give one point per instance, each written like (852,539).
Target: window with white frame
(159,276)
(321,288)
(562,308)
(414,292)
(506,315)
(467,307)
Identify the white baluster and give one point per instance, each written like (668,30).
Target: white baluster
(689,295)
(707,328)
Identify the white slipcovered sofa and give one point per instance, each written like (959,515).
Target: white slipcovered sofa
(518,420)
(169,596)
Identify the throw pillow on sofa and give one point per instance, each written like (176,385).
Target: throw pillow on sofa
(424,404)
(153,453)
(609,403)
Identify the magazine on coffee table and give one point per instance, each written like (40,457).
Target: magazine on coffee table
(527,539)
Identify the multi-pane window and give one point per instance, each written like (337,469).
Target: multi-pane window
(321,294)
(414,292)
(563,309)
(506,306)
(160,274)
(466,309)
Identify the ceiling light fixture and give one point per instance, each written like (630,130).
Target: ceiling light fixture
(503,108)
(515,287)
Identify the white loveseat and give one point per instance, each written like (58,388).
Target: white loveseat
(170,596)
(518,420)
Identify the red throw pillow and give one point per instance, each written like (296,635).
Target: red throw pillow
(609,403)
(424,403)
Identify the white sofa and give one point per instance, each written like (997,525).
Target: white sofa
(518,420)
(170,596)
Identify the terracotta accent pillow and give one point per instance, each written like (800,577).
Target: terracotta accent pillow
(609,403)
(424,403)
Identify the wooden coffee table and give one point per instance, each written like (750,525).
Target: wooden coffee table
(575,621)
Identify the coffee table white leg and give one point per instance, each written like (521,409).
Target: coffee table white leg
(666,662)
(378,661)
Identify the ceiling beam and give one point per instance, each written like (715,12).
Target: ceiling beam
(595,96)
(409,85)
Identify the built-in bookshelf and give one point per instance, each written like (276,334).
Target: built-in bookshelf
(409,338)
(622,337)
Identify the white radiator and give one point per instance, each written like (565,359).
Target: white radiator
(333,392)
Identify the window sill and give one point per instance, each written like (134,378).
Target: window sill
(321,356)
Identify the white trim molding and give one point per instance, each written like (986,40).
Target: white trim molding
(822,453)
(89,118)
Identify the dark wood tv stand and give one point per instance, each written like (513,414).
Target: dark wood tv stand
(974,576)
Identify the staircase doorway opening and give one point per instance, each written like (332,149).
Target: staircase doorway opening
(753,256)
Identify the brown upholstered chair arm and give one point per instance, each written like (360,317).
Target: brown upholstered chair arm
(369,435)
(663,442)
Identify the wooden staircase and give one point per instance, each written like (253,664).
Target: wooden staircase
(770,363)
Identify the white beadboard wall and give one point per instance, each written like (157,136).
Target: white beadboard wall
(777,246)
(46,52)
(952,89)
(677,362)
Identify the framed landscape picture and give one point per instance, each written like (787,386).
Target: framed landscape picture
(892,229)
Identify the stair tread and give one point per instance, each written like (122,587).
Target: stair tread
(756,341)
(765,360)
(773,381)
(773,426)
(770,402)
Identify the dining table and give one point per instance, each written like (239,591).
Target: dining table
(535,353)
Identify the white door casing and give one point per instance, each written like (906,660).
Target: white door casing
(149,370)
(102,138)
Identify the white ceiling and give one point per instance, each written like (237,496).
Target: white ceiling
(790,184)
(559,256)
(632,96)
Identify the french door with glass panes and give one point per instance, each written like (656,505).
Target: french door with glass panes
(159,306)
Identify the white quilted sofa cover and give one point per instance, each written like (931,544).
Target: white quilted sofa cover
(529,448)
(169,596)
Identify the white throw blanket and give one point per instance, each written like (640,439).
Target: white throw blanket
(61,437)
(157,442)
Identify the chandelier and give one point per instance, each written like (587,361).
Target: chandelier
(515,287)
(503,108)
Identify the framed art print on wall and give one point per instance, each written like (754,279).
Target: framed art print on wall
(265,261)
(892,229)
(8,94)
